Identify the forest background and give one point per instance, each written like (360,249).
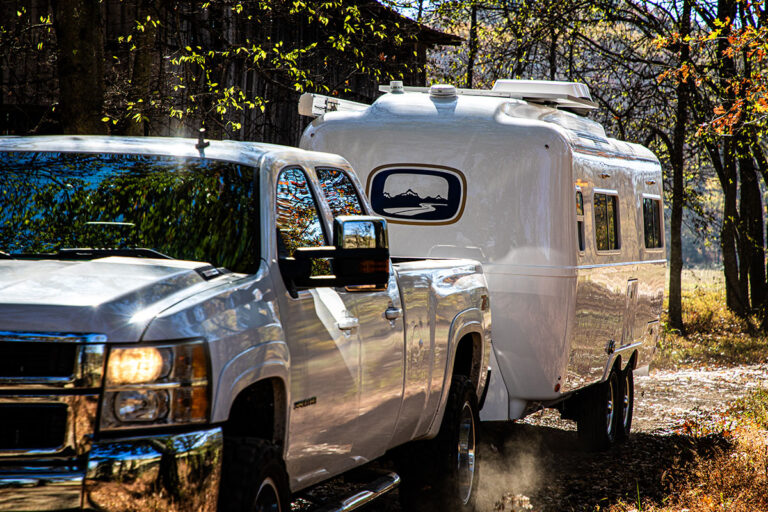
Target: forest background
(686,78)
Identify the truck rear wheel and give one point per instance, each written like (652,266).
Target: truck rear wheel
(253,477)
(441,474)
(599,413)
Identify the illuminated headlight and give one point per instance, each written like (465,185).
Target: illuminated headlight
(155,386)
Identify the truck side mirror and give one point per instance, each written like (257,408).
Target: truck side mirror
(359,256)
(362,251)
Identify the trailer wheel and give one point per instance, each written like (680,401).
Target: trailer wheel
(598,415)
(253,477)
(441,474)
(627,397)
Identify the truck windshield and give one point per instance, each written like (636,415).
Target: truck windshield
(138,205)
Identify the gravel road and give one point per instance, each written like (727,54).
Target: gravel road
(536,464)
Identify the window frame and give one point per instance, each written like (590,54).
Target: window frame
(617,220)
(660,216)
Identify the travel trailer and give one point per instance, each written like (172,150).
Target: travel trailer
(567,222)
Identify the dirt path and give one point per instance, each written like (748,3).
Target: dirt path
(536,464)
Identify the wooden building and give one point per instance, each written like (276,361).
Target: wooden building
(150,77)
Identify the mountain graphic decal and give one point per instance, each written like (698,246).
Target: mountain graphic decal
(416,194)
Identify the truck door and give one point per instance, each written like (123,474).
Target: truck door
(380,323)
(325,349)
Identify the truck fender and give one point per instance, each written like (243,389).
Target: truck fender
(266,360)
(469,321)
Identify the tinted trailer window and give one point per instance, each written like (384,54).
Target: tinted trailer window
(183,208)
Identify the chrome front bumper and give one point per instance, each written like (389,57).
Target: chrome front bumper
(161,472)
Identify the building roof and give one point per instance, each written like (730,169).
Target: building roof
(424,34)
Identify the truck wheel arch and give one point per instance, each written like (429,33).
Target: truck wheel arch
(466,331)
(259,411)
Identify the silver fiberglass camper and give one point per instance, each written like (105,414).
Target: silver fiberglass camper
(567,222)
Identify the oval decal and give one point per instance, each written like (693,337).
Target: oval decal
(417,194)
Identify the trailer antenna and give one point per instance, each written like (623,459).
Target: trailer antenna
(201,142)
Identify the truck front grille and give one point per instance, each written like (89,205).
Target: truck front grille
(32,426)
(49,394)
(25,359)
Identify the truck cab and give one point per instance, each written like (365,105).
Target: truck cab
(203,324)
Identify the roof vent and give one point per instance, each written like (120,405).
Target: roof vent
(396,87)
(442,91)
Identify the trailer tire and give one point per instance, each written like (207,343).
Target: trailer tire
(627,403)
(441,474)
(597,423)
(253,477)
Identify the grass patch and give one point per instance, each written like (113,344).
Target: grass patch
(714,335)
(733,478)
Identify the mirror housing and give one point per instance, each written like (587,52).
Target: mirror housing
(362,249)
(359,256)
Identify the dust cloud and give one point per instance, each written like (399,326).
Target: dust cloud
(510,470)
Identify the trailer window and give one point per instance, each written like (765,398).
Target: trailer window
(606,222)
(652,222)
(580,219)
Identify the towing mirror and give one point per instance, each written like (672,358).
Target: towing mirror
(359,256)
(362,251)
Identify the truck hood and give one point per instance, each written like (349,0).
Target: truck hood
(116,297)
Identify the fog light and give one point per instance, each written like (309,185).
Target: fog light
(141,405)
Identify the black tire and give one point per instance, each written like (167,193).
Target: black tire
(253,477)
(626,403)
(598,411)
(442,474)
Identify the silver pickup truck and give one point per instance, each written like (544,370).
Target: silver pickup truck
(186,325)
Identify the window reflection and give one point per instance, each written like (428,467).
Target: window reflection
(297,219)
(186,208)
(339,192)
(652,223)
(606,222)
(580,219)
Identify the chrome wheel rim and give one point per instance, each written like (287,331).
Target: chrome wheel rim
(625,411)
(610,409)
(267,499)
(466,453)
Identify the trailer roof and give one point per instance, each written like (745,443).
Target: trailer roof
(561,104)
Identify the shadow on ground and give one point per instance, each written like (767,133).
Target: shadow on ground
(545,469)
(541,468)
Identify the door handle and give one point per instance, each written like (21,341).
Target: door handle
(393,313)
(348,323)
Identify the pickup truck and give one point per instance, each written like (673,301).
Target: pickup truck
(190,324)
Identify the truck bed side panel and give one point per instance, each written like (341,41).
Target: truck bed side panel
(433,291)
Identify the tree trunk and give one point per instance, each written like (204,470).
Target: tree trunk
(733,292)
(552,53)
(472,47)
(144,54)
(735,300)
(762,167)
(678,182)
(80,65)
(751,236)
